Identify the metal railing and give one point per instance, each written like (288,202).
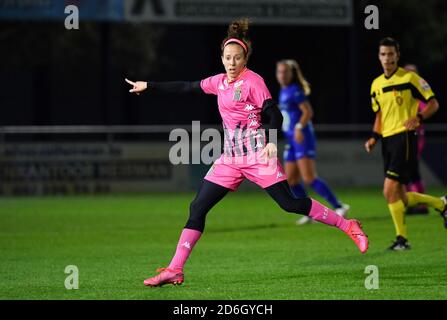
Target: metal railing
(114,133)
(124,129)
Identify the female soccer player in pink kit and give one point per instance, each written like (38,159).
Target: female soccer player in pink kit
(245,105)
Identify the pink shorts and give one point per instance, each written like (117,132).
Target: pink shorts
(229,172)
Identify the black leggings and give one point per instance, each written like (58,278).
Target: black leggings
(210,193)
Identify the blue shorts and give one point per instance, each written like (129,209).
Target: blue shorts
(294,151)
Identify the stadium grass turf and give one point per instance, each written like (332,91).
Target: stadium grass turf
(250,250)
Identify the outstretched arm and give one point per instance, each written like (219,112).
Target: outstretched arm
(165,87)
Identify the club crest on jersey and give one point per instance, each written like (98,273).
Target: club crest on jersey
(397,97)
(237,94)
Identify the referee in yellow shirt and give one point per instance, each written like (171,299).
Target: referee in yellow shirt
(395,97)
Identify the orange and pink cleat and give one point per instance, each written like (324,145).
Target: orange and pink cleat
(357,235)
(165,276)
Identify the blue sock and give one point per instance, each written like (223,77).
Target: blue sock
(299,191)
(320,187)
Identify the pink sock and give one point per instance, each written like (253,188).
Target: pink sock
(325,215)
(411,187)
(419,187)
(188,239)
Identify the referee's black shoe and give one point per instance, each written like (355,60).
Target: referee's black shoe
(444,212)
(400,244)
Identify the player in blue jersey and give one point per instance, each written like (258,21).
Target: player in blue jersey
(300,151)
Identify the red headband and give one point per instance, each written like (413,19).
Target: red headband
(241,43)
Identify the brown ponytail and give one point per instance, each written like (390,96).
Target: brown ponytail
(238,29)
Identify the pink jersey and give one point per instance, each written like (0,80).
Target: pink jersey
(240,105)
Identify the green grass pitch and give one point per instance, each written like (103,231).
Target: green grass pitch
(250,249)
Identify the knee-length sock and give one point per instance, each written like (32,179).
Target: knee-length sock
(415,198)
(397,210)
(186,243)
(281,193)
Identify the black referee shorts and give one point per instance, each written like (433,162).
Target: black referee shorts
(399,154)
